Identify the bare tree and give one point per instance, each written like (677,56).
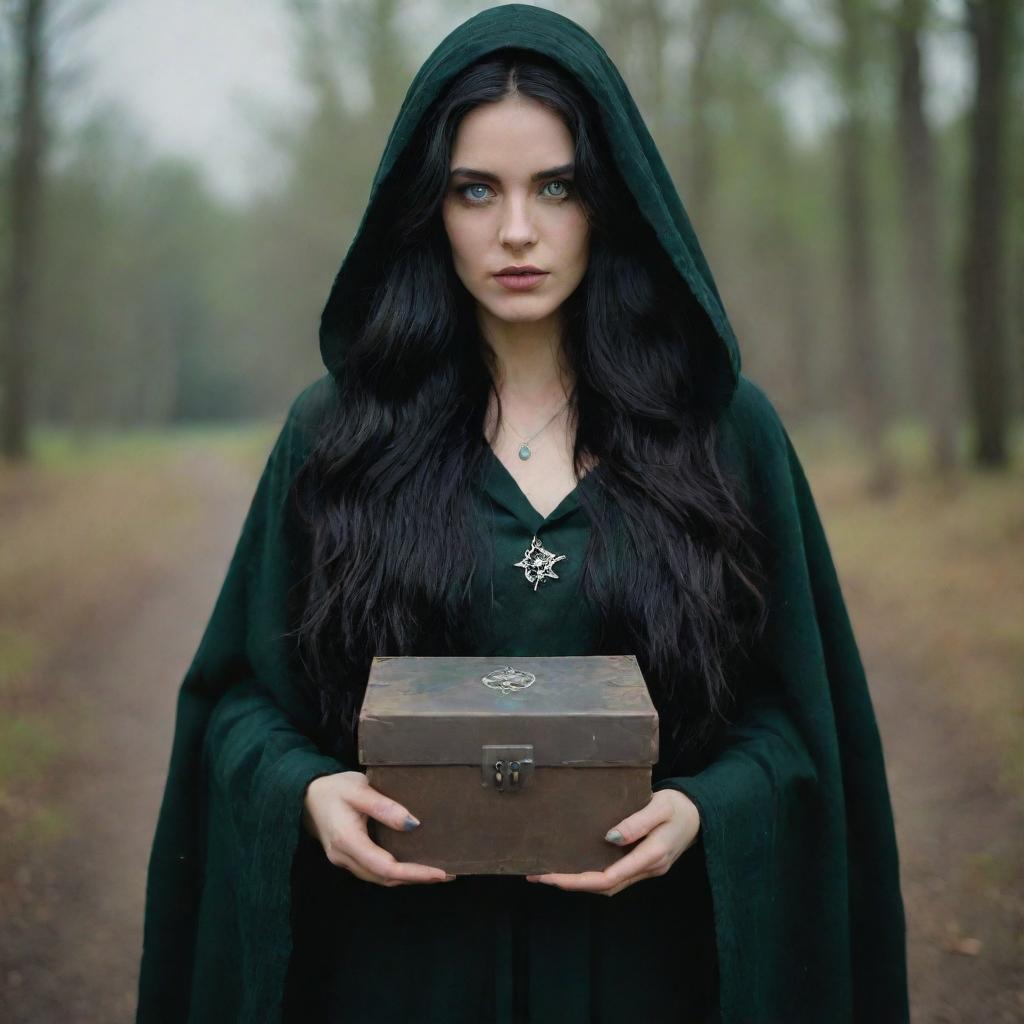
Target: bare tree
(25,187)
(916,149)
(862,319)
(636,33)
(701,162)
(617,26)
(36,25)
(386,62)
(363,33)
(984,268)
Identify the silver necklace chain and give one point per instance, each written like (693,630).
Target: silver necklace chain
(524,448)
(537,560)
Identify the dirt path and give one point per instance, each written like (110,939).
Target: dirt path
(71,954)
(71,957)
(961,840)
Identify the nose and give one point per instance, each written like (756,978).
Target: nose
(516,229)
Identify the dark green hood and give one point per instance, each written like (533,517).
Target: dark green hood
(637,158)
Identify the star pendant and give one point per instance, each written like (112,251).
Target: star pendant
(537,562)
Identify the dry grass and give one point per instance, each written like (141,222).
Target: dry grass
(936,573)
(84,528)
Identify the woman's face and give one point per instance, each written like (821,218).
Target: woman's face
(510,202)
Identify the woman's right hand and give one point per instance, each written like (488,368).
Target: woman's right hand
(334,812)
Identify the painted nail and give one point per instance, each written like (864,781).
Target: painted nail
(410,823)
(614,836)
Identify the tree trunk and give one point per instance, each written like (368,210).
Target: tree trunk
(26,180)
(930,342)
(656,30)
(385,65)
(701,163)
(861,319)
(984,310)
(617,26)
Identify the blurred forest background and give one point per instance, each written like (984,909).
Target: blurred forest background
(855,172)
(853,169)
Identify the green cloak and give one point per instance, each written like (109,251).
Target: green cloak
(797,833)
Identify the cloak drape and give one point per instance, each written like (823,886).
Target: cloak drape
(797,826)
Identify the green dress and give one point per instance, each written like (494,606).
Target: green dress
(797,839)
(799,855)
(497,948)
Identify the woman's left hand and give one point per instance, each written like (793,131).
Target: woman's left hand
(670,822)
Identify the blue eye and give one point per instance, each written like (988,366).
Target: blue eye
(475,199)
(465,189)
(565,185)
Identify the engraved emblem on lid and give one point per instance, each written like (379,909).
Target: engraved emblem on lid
(508,679)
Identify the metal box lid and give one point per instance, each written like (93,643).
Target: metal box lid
(590,710)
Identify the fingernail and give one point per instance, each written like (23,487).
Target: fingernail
(448,877)
(614,836)
(410,823)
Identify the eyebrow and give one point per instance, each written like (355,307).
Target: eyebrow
(551,172)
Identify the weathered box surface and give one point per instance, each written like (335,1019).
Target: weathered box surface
(513,765)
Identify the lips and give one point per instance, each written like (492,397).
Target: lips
(516,271)
(520,279)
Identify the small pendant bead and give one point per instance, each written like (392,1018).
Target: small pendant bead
(524,452)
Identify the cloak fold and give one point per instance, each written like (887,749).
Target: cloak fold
(797,829)
(797,821)
(217,930)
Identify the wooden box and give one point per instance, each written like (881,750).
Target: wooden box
(512,765)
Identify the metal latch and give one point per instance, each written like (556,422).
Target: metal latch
(506,767)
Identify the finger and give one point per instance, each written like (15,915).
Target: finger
(359,871)
(636,826)
(343,860)
(384,865)
(650,855)
(629,881)
(376,805)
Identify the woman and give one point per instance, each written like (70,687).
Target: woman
(592,414)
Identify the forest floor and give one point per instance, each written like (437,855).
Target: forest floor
(108,573)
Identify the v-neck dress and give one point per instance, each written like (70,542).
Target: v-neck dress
(490,949)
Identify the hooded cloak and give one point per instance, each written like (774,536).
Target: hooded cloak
(796,854)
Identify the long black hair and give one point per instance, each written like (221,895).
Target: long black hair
(385,493)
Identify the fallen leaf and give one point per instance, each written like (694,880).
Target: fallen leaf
(967,946)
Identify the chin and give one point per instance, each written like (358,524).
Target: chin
(519,313)
(517,308)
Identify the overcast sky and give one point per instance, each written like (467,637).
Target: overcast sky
(185,69)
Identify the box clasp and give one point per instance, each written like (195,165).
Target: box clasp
(506,767)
